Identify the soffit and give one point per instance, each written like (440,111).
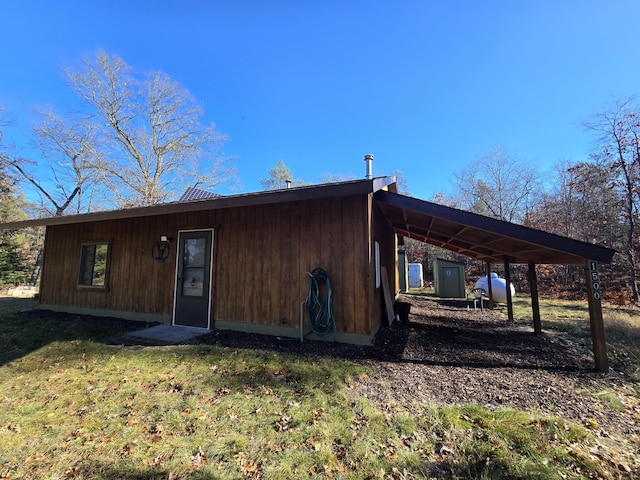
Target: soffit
(481,237)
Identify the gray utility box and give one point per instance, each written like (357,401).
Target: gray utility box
(448,278)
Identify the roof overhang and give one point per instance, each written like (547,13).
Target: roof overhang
(481,237)
(311,192)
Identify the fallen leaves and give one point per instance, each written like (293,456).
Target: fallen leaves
(155,432)
(160,459)
(249,418)
(249,467)
(14,427)
(199,458)
(284,424)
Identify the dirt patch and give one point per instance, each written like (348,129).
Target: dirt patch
(446,354)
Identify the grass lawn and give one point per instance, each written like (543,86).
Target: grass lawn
(622,327)
(72,407)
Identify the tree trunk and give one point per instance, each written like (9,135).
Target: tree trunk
(631,258)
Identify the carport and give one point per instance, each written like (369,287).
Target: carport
(498,242)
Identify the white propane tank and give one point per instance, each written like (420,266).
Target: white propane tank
(498,287)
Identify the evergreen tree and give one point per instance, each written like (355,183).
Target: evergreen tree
(14,267)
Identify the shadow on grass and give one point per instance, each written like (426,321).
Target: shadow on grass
(23,329)
(92,469)
(88,469)
(470,339)
(450,336)
(457,346)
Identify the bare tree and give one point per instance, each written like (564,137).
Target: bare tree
(9,166)
(618,131)
(13,254)
(402,183)
(567,208)
(70,148)
(328,177)
(149,139)
(498,185)
(66,150)
(7,182)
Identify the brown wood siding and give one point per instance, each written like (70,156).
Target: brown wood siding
(261,258)
(264,255)
(136,282)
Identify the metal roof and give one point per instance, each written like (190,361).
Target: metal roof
(481,237)
(192,193)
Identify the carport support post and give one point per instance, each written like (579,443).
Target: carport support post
(535,303)
(594,296)
(507,279)
(490,292)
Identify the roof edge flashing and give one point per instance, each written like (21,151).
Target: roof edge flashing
(306,192)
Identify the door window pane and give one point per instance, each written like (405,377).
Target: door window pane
(193,282)
(194,252)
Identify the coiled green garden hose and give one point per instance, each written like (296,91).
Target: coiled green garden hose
(321,319)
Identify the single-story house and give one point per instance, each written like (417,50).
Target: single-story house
(242,261)
(230,262)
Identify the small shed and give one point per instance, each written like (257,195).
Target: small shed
(448,278)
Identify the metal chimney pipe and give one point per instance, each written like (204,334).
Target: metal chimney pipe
(368,158)
(288,182)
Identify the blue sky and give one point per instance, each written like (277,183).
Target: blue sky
(426,86)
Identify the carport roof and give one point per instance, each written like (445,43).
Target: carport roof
(481,237)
